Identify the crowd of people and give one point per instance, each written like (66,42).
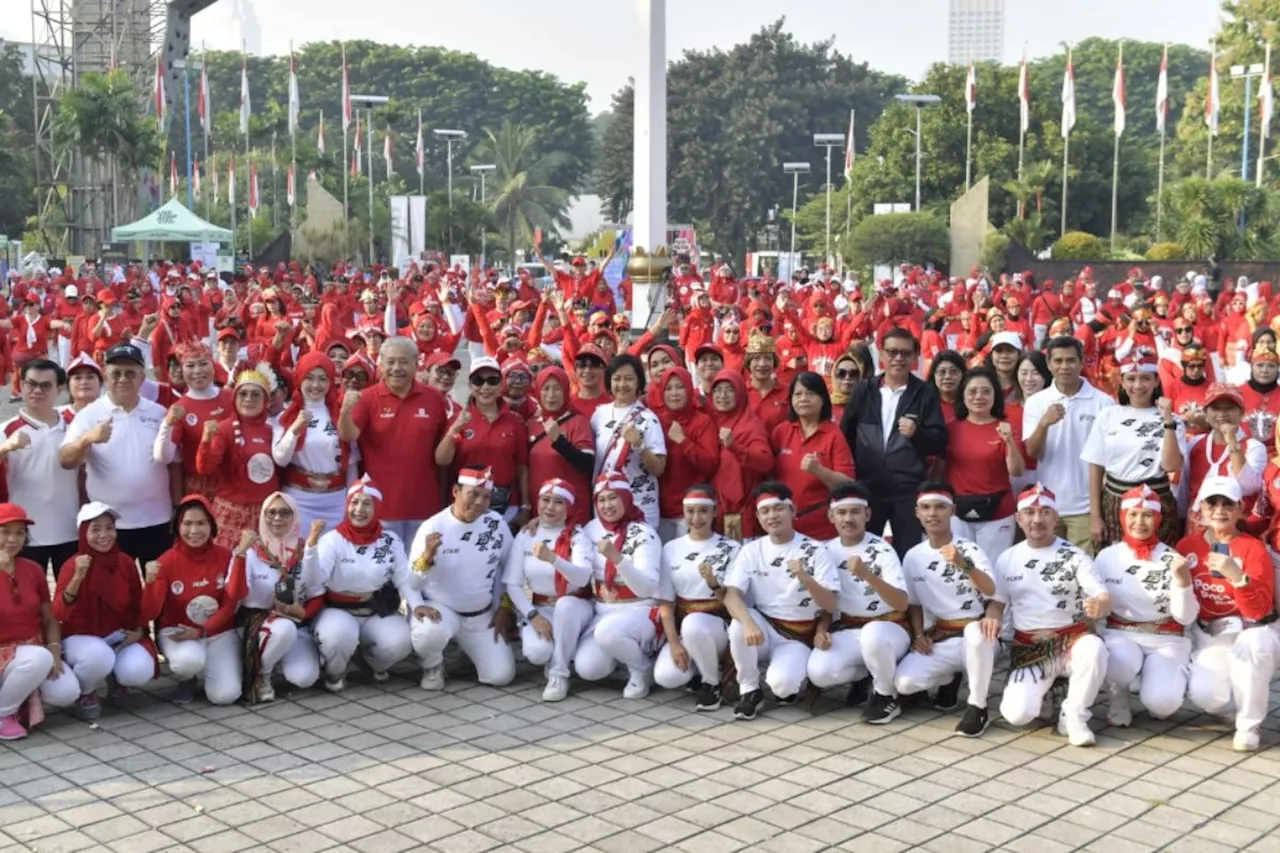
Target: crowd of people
(778,488)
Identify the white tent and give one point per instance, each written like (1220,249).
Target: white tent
(172,222)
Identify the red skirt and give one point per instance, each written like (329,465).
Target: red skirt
(232,519)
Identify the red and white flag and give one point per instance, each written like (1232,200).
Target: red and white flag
(295,102)
(1068,98)
(971,90)
(253,189)
(290,193)
(357,162)
(173,174)
(203,104)
(320,135)
(231,182)
(1266,98)
(195,180)
(1162,92)
(1117,92)
(419,155)
(849,153)
(161,102)
(213,173)
(1024,95)
(245,108)
(346,92)
(1213,103)
(386,152)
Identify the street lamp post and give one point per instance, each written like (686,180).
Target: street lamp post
(186,67)
(370,101)
(919,102)
(483,170)
(795,170)
(828,141)
(449,137)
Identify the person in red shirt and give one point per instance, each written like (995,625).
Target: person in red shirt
(588,373)
(561,445)
(746,456)
(184,592)
(692,449)
(1186,383)
(1224,450)
(1261,395)
(31,339)
(766,396)
(1235,646)
(813,456)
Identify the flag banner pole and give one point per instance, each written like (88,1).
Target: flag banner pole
(1160,189)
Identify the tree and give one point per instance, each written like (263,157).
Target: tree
(522,197)
(616,158)
(17,169)
(1203,217)
(898,238)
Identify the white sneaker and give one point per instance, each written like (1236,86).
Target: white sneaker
(380,677)
(336,685)
(1246,741)
(266,692)
(432,678)
(638,685)
(557,688)
(1119,712)
(1078,734)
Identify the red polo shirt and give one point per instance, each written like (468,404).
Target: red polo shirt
(501,444)
(20,598)
(809,494)
(398,438)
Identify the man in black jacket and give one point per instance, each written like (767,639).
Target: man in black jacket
(893,424)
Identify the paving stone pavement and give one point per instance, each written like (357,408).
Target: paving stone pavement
(389,767)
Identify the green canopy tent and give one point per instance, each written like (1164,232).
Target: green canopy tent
(171,223)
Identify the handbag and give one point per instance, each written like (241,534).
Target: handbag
(386,601)
(978,507)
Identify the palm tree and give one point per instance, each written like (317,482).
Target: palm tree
(522,198)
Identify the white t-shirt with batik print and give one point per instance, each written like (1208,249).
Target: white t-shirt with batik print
(942,590)
(681,562)
(760,573)
(857,597)
(1045,588)
(609,423)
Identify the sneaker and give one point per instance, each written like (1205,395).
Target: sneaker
(87,707)
(11,729)
(859,692)
(1078,734)
(786,701)
(973,723)
(1119,712)
(748,705)
(380,677)
(116,692)
(1246,741)
(709,698)
(948,696)
(335,685)
(266,691)
(695,684)
(556,690)
(881,709)
(432,677)
(638,685)
(184,692)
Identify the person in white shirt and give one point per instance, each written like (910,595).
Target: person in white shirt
(947,580)
(551,556)
(863,646)
(37,482)
(1152,602)
(315,463)
(363,572)
(629,436)
(1055,425)
(694,619)
(114,439)
(1052,591)
(778,587)
(457,560)
(626,573)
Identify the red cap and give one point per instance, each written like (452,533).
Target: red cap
(1222,391)
(10,512)
(442,359)
(594,352)
(579,261)
(229,333)
(106,296)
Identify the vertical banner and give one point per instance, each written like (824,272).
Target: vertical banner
(400,253)
(417,225)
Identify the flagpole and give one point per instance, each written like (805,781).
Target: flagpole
(1213,124)
(968,143)
(1264,119)
(346,169)
(848,195)
(1160,188)
(420,156)
(231,203)
(248,159)
(1115,157)
(208,112)
(1066,144)
(293,153)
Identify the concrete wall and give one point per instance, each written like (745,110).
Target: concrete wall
(969,225)
(320,237)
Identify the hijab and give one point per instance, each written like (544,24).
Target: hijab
(332,400)
(368,534)
(279,551)
(545,375)
(840,398)
(187,504)
(1143,497)
(106,580)
(654,394)
(685,414)
(617,484)
(563,545)
(729,479)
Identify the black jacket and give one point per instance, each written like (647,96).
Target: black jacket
(894,472)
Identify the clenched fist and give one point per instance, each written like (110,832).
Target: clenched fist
(81,567)
(101,433)
(152,572)
(313,535)
(176,413)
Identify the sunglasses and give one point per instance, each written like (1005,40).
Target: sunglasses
(490,379)
(32,385)
(1183,330)
(846,374)
(584,363)
(898,353)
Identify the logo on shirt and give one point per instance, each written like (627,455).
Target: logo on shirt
(421,413)
(191,419)
(176,587)
(468,433)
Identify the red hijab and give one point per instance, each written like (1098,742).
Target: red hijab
(543,376)
(368,534)
(107,581)
(616,483)
(729,479)
(332,400)
(654,397)
(684,414)
(564,542)
(190,502)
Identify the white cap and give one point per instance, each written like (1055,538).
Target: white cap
(1226,487)
(94,509)
(71,292)
(484,362)
(54,271)
(1012,339)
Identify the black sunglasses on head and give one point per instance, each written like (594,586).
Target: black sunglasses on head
(489,379)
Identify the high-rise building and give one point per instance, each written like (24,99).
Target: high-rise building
(975,31)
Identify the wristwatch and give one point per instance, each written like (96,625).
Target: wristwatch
(528,617)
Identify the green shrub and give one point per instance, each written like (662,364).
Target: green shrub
(892,238)
(995,251)
(1166,251)
(1078,246)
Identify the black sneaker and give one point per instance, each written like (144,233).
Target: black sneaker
(748,705)
(708,697)
(973,723)
(948,697)
(881,709)
(787,701)
(859,692)
(695,684)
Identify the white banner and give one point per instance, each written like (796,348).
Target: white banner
(400,230)
(206,254)
(417,225)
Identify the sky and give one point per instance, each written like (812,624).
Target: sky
(597,41)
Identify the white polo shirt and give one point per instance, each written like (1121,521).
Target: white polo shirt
(1061,469)
(122,473)
(49,494)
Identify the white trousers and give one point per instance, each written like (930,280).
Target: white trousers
(1162,661)
(383,640)
(705,637)
(64,351)
(972,654)
(569,617)
(1234,670)
(873,649)
(27,672)
(217,658)
(328,507)
(495,663)
(992,537)
(92,660)
(291,648)
(788,659)
(1084,664)
(619,633)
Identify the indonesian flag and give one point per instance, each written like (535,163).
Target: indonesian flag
(1024,94)
(1266,97)
(1068,98)
(253,189)
(173,174)
(1162,92)
(419,155)
(346,92)
(1213,103)
(849,153)
(203,104)
(289,190)
(971,90)
(195,180)
(231,182)
(386,152)
(320,136)
(245,108)
(295,103)
(161,103)
(356,160)
(1117,93)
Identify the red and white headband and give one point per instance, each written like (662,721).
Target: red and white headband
(481,478)
(613,482)
(364,486)
(1140,497)
(559,488)
(699,497)
(935,497)
(769,499)
(1139,365)
(851,500)
(1037,495)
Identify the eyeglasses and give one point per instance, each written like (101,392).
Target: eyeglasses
(1183,330)
(279,513)
(32,385)
(478,381)
(847,374)
(1218,501)
(517,376)
(898,353)
(585,363)
(124,375)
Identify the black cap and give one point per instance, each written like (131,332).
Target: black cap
(125,352)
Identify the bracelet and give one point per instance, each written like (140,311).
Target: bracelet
(54,643)
(1172,426)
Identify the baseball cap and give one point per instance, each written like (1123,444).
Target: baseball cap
(1009,339)
(72,292)
(125,352)
(442,359)
(1218,486)
(484,362)
(1219,391)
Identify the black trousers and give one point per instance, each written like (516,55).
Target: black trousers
(44,555)
(901,514)
(145,544)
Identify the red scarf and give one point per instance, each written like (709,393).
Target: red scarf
(618,530)
(106,583)
(1142,548)
(332,401)
(564,550)
(366,535)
